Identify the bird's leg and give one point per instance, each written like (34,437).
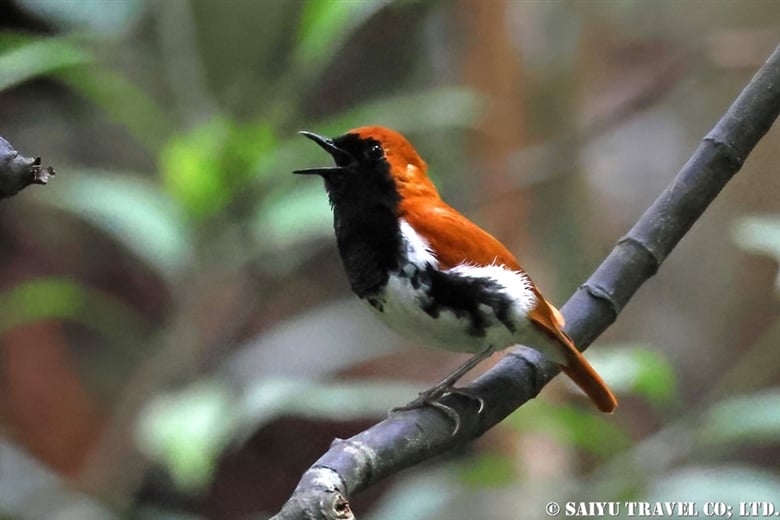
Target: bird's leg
(431,396)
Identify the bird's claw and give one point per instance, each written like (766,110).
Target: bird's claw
(432,396)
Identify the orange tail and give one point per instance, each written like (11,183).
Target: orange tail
(550,321)
(582,373)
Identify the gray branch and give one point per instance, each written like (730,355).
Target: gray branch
(408,438)
(17,171)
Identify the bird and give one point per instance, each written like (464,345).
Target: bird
(429,272)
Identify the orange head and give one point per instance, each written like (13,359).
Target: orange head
(372,158)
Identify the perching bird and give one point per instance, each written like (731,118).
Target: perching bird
(429,272)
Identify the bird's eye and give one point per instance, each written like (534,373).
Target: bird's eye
(375,152)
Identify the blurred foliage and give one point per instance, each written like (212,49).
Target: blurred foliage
(637,369)
(488,470)
(23,58)
(760,235)
(730,485)
(630,370)
(151,225)
(574,426)
(325,26)
(44,298)
(204,168)
(750,418)
(109,19)
(191,184)
(187,433)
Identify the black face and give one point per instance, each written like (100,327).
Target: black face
(361,173)
(365,201)
(365,153)
(351,153)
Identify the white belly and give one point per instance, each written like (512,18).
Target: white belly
(403,308)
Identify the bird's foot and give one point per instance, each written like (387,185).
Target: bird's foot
(432,396)
(446,386)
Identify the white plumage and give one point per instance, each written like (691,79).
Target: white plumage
(403,302)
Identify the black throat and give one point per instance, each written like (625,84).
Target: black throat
(365,217)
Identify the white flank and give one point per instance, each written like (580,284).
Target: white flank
(418,251)
(514,284)
(403,303)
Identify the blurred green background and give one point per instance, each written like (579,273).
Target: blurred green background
(178,339)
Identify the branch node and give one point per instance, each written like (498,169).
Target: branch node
(725,149)
(603,295)
(533,365)
(655,258)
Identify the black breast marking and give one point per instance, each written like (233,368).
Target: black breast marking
(369,247)
(365,217)
(463,296)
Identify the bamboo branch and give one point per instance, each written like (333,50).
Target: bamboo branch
(408,438)
(17,171)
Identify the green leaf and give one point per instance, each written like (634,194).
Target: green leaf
(132,211)
(123,102)
(23,60)
(571,425)
(487,470)
(203,168)
(109,18)
(190,165)
(60,298)
(325,25)
(760,235)
(187,431)
(751,418)
(636,369)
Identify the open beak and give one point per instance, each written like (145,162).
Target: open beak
(339,155)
